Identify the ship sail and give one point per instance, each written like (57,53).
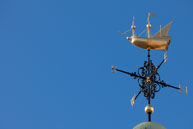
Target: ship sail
(163,32)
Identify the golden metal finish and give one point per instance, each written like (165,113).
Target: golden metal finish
(148,79)
(133,26)
(165,57)
(185,91)
(149,109)
(133,100)
(114,68)
(160,41)
(150,43)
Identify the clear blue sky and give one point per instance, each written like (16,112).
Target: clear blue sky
(56,57)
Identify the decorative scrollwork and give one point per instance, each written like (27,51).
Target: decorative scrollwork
(150,75)
(148,79)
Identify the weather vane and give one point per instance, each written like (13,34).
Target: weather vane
(147,76)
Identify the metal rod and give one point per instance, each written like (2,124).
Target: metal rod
(160,64)
(167,85)
(149,84)
(148,54)
(149,117)
(131,74)
(138,93)
(157,68)
(149,72)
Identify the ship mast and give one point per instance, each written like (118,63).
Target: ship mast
(133,26)
(148,24)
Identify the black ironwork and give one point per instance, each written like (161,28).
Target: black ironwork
(148,80)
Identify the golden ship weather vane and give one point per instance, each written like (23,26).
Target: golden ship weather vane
(147,76)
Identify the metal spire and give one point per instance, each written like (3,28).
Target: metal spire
(147,76)
(149,82)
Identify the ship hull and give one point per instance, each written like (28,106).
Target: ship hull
(151,43)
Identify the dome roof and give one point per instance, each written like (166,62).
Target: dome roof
(149,125)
